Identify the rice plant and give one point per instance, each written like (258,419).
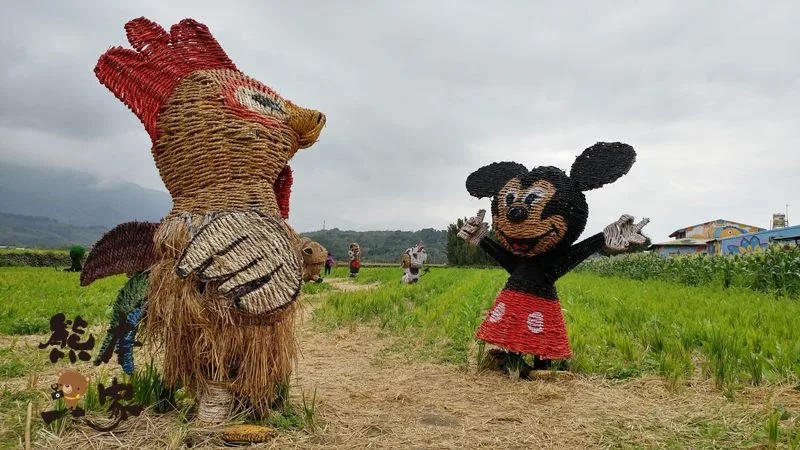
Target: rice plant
(774,270)
(149,389)
(618,328)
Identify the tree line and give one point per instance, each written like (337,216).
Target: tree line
(443,246)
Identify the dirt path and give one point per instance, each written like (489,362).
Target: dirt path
(370,396)
(343,284)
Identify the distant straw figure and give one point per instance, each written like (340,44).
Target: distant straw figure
(355,259)
(413,260)
(314,256)
(224,267)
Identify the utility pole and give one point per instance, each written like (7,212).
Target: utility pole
(323,225)
(787,215)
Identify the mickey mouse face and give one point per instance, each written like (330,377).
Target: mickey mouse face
(519,220)
(537,211)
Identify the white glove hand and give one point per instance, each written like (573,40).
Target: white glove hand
(251,255)
(622,233)
(475,229)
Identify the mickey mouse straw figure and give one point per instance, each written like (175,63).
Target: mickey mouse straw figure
(537,215)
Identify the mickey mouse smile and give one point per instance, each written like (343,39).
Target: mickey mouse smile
(524,245)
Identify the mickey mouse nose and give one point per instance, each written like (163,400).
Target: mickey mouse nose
(517,214)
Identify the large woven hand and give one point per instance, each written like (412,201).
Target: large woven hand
(622,233)
(475,229)
(251,255)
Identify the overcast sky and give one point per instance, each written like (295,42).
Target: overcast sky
(420,93)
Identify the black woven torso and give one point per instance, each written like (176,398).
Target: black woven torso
(537,275)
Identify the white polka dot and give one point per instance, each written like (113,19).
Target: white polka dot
(497,312)
(536,322)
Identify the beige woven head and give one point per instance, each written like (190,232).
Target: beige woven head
(314,255)
(220,138)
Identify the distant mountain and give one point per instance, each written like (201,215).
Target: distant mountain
(77,198)
(382,246)
(58,208)
(41,232)
(377,246)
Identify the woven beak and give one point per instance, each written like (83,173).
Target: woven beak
(307,123)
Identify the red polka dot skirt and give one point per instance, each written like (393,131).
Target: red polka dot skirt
(524,323)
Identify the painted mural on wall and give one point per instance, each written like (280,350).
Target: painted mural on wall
(718,229)
(754,242)
(745,244)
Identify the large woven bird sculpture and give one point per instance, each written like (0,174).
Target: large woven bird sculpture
(223,269)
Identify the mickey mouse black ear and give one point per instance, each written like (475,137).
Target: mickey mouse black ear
(488,180)
(601,164)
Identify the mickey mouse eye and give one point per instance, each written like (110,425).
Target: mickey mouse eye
(260,101)
(534,196)
(511,196)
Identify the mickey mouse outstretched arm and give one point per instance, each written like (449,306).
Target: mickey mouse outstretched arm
(616,237)
(576,254)
(475,231)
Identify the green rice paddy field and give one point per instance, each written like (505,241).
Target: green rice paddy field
(735,338)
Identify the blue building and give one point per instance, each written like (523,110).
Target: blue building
(745,243)
(686,246)
(701,237)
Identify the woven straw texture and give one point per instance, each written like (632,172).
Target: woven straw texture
(132,296)
(417,256)
(314,255)
(221,143)
(216,403)
(247,433)
(355,258)
(537,215)
(524,323)
(206,337)
(128,248)
(405,262)
(220,138)
(283,190)
(413,260)
(229,249)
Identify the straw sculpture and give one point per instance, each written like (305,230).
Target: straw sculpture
(126,248)
(224,268)
(413,260)
(130,304)
(355,259)
(537,215)
(314,255)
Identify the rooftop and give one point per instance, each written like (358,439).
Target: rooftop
(777,233)
(687,241)
(719,221)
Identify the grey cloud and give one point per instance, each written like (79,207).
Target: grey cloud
(420,93)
